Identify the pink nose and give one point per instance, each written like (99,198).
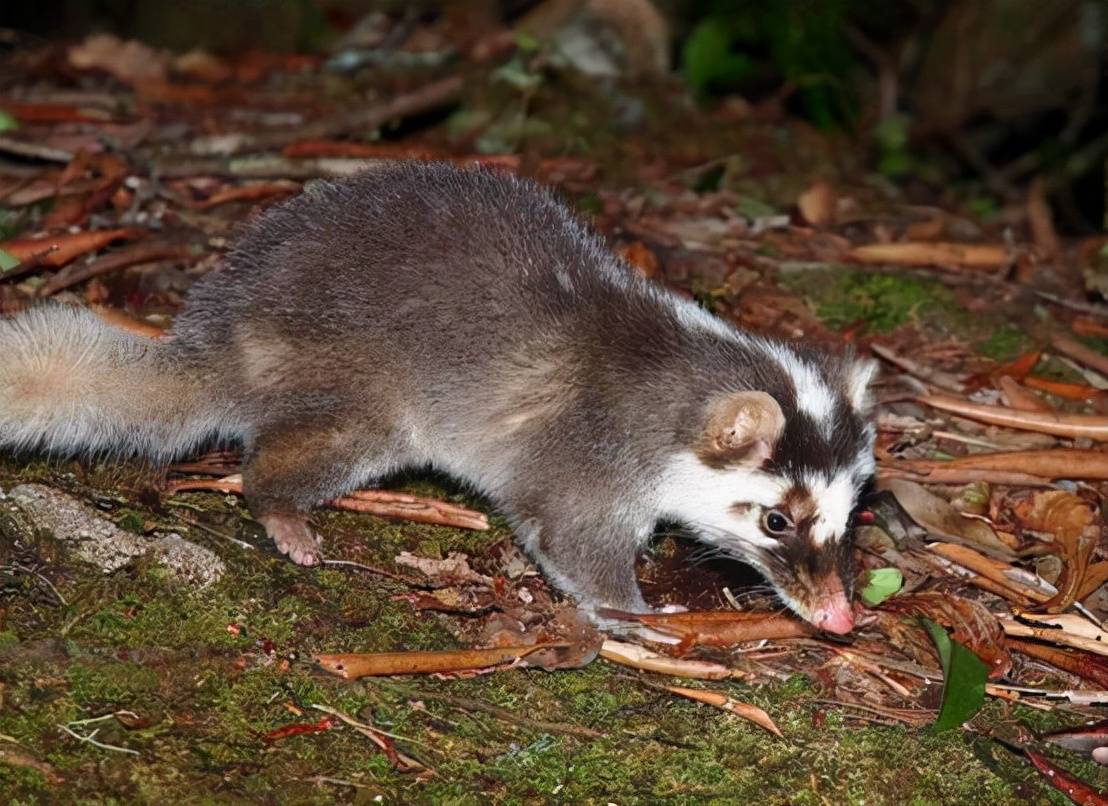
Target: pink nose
(834,615)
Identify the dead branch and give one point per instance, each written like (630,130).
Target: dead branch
(352,665)
(1053,463)
(361,119)
(936,377)
(1080,353)
(381,503)
(933,253)
(638,657)
(135,255)
(1073,426)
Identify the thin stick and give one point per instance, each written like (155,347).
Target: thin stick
(374,502)
(362,119)
(375,570)
(1052,463)
(943,380)
(120,259)
(90,739)
(25,570)
(1080,353)
(1073,426)
(953,475)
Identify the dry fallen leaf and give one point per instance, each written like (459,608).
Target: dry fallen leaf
(938,517)
(1072,522)
(131,62)
(57,250)
(718,699)
(455,568)
(817,204)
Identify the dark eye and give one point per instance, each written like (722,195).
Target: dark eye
(776,523)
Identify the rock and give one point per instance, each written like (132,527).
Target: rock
(100,542)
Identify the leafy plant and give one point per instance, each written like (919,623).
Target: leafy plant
(964,677)
(796,42)
(881,583)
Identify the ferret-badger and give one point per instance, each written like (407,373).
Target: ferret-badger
(424,315)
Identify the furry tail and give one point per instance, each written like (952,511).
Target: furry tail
(71,383)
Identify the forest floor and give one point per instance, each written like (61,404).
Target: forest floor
(133,681)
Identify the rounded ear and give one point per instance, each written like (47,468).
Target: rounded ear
(742,429)
(859,374)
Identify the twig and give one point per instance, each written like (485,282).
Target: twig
(907,716)
(1075,305)
(120,259)
(38,151)
(374,502)
(25,570)
(1058,424)
(1051,463)
(936,377)
(90,739)
(400,760)
(362,119)
(242,544)
(372,569)
(465,703)
(955,475)
(1080,353)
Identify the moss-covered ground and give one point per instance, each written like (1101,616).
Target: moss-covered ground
(198,678)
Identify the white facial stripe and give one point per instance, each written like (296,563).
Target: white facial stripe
(834,501)
(813,397)
(702,496)
(694,317)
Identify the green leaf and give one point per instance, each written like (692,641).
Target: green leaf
(8,260)
(881,583)
(964,676)
(707,59)
(8,123)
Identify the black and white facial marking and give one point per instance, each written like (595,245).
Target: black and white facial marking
(786,511)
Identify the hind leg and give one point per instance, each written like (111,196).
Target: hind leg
(289,470)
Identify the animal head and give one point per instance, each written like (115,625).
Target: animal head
(773,480)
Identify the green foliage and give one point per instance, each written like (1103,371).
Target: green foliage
(881,583)
(7,260)
(964,676)
(891,138)
(709,60)
(8,122)
(1005,343)
(793,41)
(883,301)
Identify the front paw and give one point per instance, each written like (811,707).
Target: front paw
(623,623)
(295,538)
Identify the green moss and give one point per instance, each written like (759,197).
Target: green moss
(884,302)
(112,683)
(130,520)
(210,694)
(1006,342)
